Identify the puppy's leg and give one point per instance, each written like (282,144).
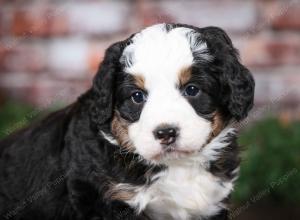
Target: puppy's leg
(223,215)
(121,211)
(88,204)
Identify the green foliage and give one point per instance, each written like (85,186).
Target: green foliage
(14,115)
(270,168)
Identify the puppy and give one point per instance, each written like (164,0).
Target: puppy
(152,139)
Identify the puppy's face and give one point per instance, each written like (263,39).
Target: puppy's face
(169,94)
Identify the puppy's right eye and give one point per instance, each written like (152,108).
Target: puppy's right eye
(138,97)
(191,90)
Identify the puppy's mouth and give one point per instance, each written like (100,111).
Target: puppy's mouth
(172,152)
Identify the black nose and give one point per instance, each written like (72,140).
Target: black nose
(166,134)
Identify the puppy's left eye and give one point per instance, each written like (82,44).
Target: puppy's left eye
(191,90)
(138,97)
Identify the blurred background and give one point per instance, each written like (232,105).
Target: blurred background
(50,50)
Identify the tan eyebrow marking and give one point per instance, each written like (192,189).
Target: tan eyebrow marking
(185,75)
(139,81)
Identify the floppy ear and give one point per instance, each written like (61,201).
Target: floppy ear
(237,83)
(241,89)
(104,83)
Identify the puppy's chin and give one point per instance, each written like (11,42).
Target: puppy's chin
(171,154)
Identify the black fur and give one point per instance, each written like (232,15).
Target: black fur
(61,167)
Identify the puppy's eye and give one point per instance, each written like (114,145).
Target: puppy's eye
(191,90)
(138,97)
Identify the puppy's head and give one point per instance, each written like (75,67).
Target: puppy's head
(167,90)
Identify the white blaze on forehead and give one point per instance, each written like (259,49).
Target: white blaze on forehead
(159,56)
(158,53)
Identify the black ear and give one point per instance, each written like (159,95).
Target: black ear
(102,91)
(237,83)
(241,89)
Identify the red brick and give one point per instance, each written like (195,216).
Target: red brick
(2,55)
(39,21)
(57,21)
(152,14)
(95,57)
(23,57)
(96,50)
(288,19)
(231,15)
(5,20)
(285,52)
(280,15)
(1,23)
(266,50)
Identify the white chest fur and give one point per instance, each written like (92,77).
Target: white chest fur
(186,190)
(183,192)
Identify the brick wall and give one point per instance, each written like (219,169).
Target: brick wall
(49,48)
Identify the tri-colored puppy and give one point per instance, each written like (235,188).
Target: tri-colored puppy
(152,139)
